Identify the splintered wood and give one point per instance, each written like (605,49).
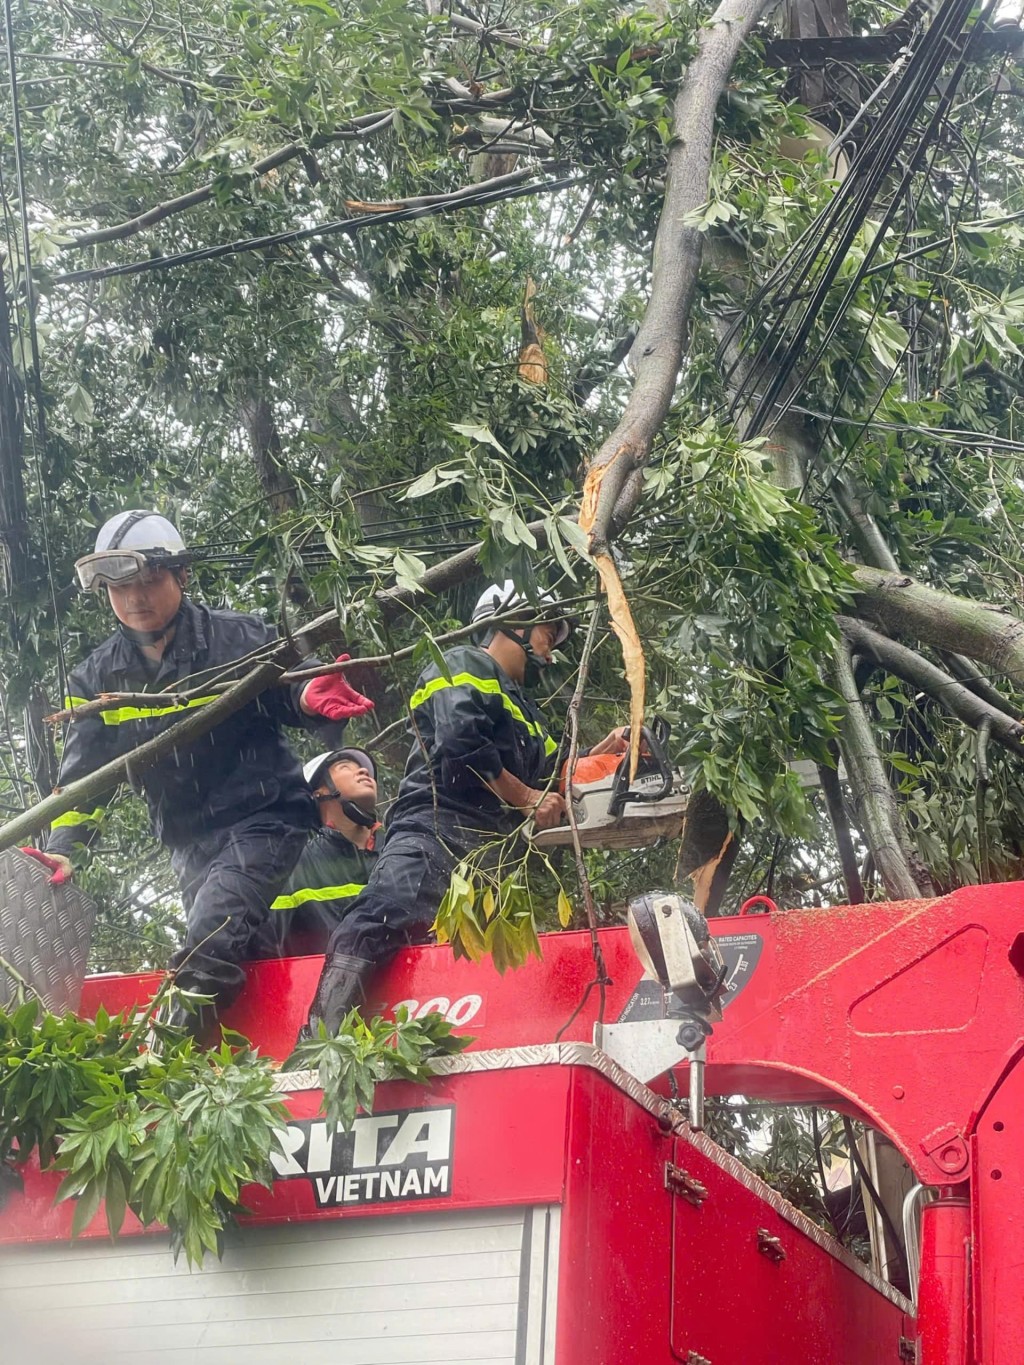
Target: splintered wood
(621,617)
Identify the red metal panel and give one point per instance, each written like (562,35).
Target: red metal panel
(943,1293)
(735,1303)
(860,1007)
(509,1148)
(903,1013)
(511,1010)
(613,1285)
(998,1197)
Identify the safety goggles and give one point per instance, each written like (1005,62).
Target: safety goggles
(111,568)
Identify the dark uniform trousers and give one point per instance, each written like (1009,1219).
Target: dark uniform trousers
(408,883)
(228,879)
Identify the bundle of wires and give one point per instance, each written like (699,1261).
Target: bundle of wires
(775,359)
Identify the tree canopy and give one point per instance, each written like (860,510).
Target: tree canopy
(350,290)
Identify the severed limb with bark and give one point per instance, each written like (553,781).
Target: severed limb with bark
(614,477)
(874,803)
(902,606)
(707,852)
(613,482)
(88,790)
(953,696)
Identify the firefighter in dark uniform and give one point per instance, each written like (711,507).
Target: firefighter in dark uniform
(231,807)
(338,856)
(481,764)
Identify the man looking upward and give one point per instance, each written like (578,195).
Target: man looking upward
(231,806)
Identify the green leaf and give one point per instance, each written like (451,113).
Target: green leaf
(577,538)
(409,570)
(440,662)
(115,1199)
(564,909)
(86,1208)
(474,432)
(426,483)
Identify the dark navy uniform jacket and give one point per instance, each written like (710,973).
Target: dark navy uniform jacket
(466,727)
(240,768)
(331,871)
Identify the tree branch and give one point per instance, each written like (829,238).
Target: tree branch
(610,493)
(362,126)
(89,789)
(496,35)
(903,606)
(110,701)
(873,799)
(951,695)
(972,678)
(833,793)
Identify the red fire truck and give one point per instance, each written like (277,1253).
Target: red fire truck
(544,1202)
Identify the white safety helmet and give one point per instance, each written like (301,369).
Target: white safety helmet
(503,597)
(127,545)
(314,770)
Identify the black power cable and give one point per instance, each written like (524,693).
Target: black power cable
(343,225)
(40,440)
(799,288)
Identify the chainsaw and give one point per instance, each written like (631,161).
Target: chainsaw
(611,811)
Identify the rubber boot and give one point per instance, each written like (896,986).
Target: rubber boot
(201,1023)
(341,988)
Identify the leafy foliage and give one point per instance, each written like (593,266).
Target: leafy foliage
(494,906)
(173,1134)
(351,1064)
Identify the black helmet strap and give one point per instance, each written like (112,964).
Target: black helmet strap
(354,812)
(132,519)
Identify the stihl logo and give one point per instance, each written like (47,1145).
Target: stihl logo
(383,1158)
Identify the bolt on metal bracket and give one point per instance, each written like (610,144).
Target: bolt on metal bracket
(770,1246)
(679,1181)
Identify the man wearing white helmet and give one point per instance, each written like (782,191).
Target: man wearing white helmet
(482,762)
(338,857)
(231,806)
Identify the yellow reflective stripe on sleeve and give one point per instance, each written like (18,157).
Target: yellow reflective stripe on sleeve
(315,893)
(79,817)
(71,702)
(119,714)
(493,688)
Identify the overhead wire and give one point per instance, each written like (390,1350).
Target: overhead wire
(811,267)
(294,235)
(836,472)
(40,437)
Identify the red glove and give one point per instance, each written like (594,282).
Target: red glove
(333,698)
(55,862)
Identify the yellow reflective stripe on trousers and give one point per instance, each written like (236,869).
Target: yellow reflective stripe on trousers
(79,817)
(493,688)
(315,893)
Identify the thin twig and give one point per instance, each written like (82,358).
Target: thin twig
(111,701)
(601,978)
(17,976)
